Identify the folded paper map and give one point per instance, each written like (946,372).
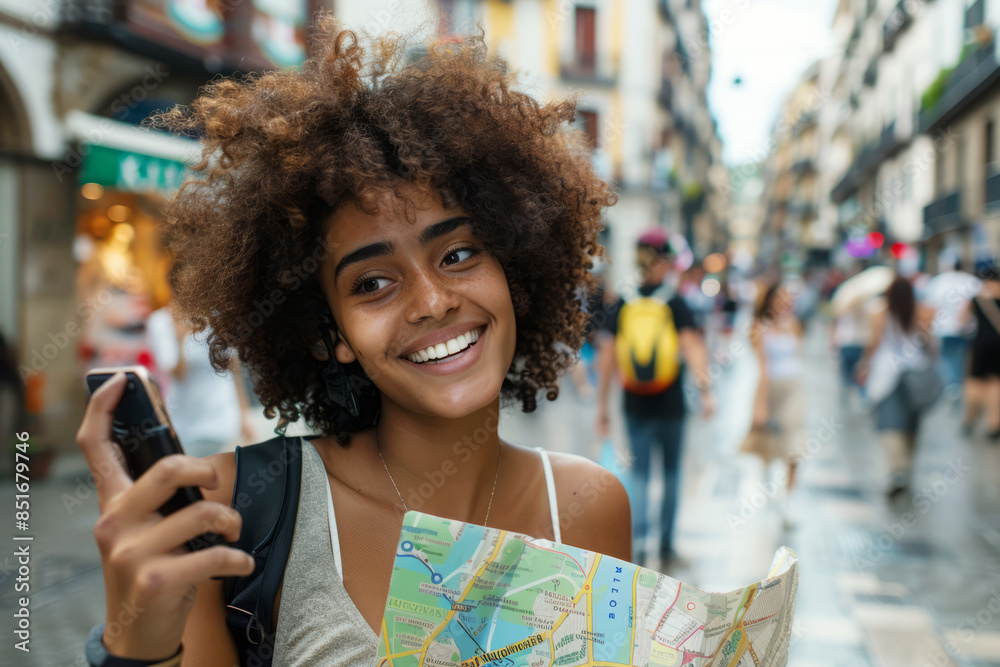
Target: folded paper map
(466,595)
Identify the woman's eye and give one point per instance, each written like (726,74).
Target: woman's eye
(459,255)
(369,285)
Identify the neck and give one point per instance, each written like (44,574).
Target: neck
(441,466)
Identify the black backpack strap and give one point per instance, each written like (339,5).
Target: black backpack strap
(266,494)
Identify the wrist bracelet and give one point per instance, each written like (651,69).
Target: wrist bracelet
(98,656)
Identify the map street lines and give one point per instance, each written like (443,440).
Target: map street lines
(463,595)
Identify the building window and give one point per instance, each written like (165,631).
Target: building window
(959,163)
(939,167)
(457,16)
(988,140)
(586,46)
(588,123)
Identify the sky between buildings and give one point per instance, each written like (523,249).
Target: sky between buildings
(766,44)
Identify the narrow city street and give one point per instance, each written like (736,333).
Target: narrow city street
(910,585)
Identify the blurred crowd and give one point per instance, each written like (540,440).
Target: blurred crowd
(903,340)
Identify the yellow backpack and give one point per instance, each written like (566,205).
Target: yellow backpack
(647,345)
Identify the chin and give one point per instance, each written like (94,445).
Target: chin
(456,404)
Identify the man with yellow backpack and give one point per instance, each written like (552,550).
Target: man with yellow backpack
(647,335)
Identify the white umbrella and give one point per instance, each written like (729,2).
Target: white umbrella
(871,282)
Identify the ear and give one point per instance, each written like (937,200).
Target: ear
(342,351)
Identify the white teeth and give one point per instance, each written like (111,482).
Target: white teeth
(453,346)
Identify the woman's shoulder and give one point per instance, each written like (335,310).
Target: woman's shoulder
(593,506)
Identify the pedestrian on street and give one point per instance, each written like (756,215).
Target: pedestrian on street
(208,411)
(949,294)
(900,378)
(392,248)
(651,332)
(983,386)
(851,331)
(776,432)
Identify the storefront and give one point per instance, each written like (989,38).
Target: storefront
(121,275)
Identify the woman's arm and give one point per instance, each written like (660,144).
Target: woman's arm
(206,639)
(594,511)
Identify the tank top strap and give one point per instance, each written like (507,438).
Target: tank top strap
(550,487)
(334,535)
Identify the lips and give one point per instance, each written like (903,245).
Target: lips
(442,336)
(452,346)
(451,363)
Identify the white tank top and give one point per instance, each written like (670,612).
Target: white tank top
(318,623)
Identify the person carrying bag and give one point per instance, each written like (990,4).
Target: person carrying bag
(900,377)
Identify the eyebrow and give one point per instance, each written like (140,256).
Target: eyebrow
(381,248)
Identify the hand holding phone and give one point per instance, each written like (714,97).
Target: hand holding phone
(145,556)
(142,430)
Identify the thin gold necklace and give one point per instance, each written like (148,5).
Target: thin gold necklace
(378,448)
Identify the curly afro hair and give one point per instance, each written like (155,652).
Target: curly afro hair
(285,149)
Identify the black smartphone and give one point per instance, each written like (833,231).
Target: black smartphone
(142,430)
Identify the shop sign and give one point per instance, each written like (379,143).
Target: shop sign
(131,172)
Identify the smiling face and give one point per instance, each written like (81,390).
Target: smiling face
(422,306)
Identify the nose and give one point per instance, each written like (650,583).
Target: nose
(430,295)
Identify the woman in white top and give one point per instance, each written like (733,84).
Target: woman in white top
(901,341)
(776,336)
(208,410)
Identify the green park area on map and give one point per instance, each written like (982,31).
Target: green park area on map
(462,594)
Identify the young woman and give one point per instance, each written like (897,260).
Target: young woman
(776,336)
(983,384)
(422,230)
(900,343)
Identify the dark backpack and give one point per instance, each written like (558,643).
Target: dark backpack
(266,494)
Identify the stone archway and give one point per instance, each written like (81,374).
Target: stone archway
(15,126)
(15,146)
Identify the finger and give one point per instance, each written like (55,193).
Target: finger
(104,458)
(191,569)
(158,484)
(204,516)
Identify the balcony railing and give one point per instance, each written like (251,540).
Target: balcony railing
(861,168)
(889,143)
(899,20)
(966,83)
(802,209)
(586,71)
(665,96)
(871,73)
(975,14)
(806,120)
(803,165)
(943,214)
(993,191)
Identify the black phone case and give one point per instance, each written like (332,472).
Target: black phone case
(143,441)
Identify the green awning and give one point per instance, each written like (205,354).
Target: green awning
(130,172)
